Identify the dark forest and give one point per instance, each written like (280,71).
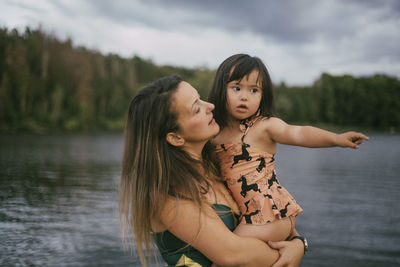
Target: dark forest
(49,85)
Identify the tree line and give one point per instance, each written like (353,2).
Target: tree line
(50,85)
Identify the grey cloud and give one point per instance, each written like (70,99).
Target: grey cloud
(272,18)
(293,23)
(286,21)
(138,12)
(339,34)
(392,5)
(25,6)
(379,49)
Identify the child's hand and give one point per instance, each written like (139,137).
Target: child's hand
(350,139)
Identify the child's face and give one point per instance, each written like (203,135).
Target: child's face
(244,96)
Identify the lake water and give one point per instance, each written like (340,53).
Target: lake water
(58,201)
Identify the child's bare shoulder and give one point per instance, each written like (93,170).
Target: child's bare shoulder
(216,140)
(264,132)
(220,138)
(272,126)
(269,123)
(227,136)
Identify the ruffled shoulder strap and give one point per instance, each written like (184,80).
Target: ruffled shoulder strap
(246,124)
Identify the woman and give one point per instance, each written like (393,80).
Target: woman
(170,188)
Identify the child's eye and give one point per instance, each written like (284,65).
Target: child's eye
(254,90)
(198,110)
(236,88)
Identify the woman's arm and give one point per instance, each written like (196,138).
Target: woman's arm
(208,234)
(309,136)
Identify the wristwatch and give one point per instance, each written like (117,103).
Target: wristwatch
(302,238)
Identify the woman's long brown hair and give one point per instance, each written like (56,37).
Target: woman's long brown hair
(152,169)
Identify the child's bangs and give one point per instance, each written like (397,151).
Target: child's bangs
(244,68)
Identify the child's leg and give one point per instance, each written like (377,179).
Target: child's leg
(292,231)
(275,231)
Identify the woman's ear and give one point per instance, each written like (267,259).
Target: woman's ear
(175,139)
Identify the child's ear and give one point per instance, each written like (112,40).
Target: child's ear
(175,139)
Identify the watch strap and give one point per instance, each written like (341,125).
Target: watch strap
(304,240)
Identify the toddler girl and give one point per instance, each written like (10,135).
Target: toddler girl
(246,146)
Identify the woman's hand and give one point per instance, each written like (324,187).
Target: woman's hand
(350,139)
(291,252)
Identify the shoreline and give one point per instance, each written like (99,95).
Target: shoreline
(120,130)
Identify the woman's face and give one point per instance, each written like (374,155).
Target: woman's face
(195,117)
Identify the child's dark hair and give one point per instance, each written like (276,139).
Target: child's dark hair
(242,65)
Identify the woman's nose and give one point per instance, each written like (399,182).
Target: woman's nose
(210,106)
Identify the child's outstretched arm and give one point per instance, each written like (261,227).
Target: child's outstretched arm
(309,136)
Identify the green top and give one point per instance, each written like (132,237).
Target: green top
(176,252)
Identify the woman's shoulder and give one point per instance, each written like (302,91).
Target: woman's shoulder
(174,208)
(165,215)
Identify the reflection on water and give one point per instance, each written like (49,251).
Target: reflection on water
(58,201)
(350,200)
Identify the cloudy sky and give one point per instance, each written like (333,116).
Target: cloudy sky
(296,39)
